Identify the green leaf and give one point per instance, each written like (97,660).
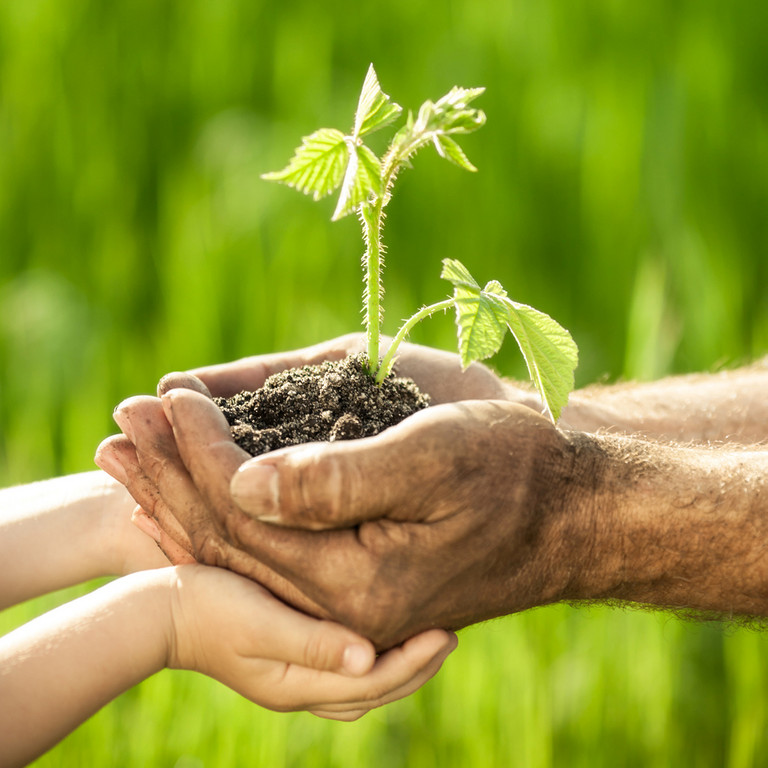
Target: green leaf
(446,147)
(458,98)
(317,166)
(450,114)
(374,109)
(458,274)
(549,351)
(362,179)
(481,321)
(482,317)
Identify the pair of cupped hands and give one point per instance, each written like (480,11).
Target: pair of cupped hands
(439,522)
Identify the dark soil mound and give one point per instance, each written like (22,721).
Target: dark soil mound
(331,401)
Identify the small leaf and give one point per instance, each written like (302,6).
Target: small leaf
(549,351)
(480,319)
(483,316)
(317,166)
(494,286)
(374,109)
(458,274)
(446,147)
(465,121)
(458,97)
(362,179)
(454,114)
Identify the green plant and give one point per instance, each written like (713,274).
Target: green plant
(329,159)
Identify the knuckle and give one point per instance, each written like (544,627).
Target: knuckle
(315,487)
(319,652)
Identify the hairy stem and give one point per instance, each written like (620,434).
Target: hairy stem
(372,215)
(371,219)
(405,329)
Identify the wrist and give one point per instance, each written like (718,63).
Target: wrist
(569,496)
(675,527)
(114,535)
(548,525)
(147,596)
(187,625)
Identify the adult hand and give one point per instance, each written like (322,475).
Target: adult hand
(235,631)
(453,516)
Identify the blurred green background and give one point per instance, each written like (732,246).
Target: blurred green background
(622,188)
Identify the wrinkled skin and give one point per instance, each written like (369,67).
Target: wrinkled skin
(451,517)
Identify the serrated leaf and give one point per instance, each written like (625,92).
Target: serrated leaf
(446,147)
(458,274)
(374,108)
(458,97)
(466,121)
(317,166)
(481,320)
(436,120)
(494,286)
(361,180)
(483,316)
(549,352)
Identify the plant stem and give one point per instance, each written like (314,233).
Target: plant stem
(389,359)
(372,215)
(371,219)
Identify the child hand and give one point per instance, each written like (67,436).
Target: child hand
(234,630)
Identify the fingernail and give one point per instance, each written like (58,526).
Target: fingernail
(112,466)
(356,660)
(256,490)
(146,524)
(123,421)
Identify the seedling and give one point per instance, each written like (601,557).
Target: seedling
(329,159)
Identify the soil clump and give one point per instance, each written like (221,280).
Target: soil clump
(336,400)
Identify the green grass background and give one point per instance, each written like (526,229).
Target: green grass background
(622,188)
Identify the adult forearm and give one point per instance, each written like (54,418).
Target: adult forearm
(725,407)
(683,528)
(60,668)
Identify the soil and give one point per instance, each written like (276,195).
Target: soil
(326,402)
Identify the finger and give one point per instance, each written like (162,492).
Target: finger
(145,415)
(119,452)
(177,380)
(443,643)
(312,562)
(117,456)
(106,459)
(296,638)
(175,552)
(179,507)
(396,674)
(341,484)
(173,541)
(250,373)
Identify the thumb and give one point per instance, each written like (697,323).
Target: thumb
(327,646)
(325,485)
(178,380)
